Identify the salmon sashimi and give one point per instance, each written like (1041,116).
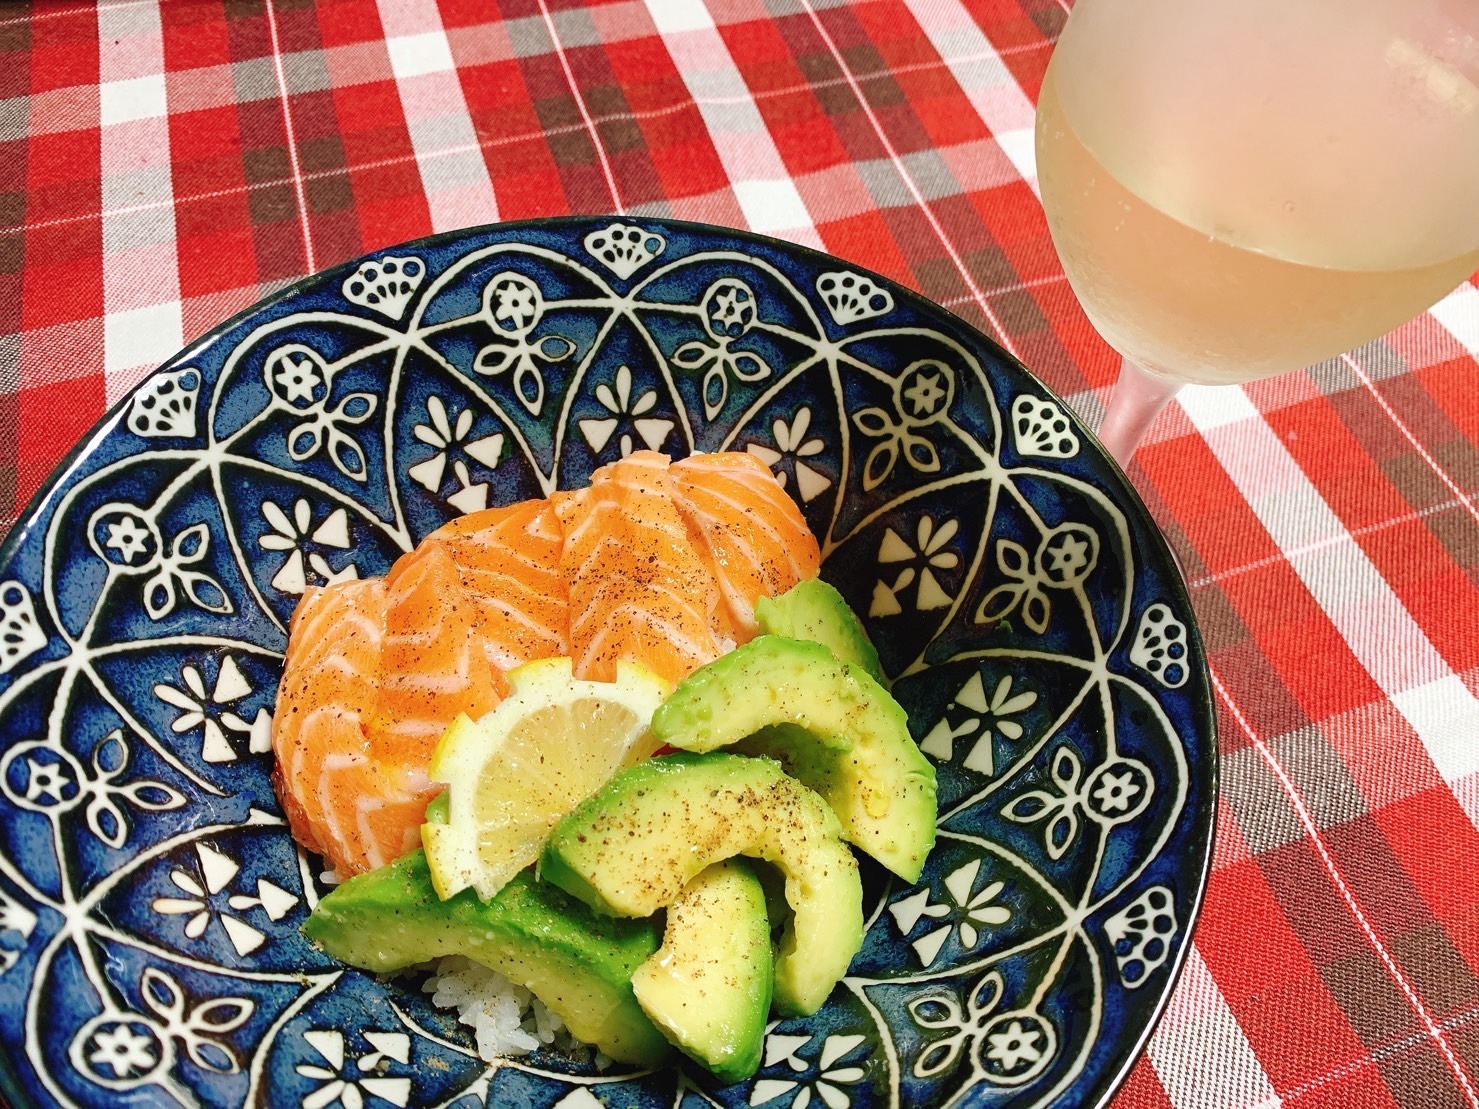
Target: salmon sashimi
(431,664)
(654,562)
(339,801)
(639,588)
(509,559)
(756,541)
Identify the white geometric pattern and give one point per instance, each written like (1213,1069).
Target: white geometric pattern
(20,635)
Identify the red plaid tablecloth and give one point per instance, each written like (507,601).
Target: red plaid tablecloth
(163,165)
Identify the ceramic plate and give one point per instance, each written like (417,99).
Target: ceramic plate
(1025,606)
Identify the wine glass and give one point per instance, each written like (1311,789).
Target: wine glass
(1243,187)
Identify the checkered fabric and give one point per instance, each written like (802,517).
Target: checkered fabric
(163,166)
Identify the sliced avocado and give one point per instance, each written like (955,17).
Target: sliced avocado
(845,737)
(814,611)
(579,964)
(632,848)
(708,987)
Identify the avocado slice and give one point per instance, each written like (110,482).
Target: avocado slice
(579,964)
(814,611)
(632,848)
(708,987)
(844,736)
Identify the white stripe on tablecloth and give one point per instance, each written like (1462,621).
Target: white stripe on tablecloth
(295,165)
(1458,312)
(454,176)
(1199,1050)
(142,318)
(762,186)
(983,77)
(1381,633)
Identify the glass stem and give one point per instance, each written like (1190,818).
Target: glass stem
(1137,400)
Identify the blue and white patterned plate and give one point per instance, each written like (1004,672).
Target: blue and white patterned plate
(1027,609)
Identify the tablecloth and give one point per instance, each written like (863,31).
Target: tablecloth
(164,165)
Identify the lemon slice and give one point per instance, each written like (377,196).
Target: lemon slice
(550,744)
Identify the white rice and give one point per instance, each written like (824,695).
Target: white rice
(506,1018)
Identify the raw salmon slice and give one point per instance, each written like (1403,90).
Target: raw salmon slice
(339,800)
(430,640)
(639,589)
(753,536)
(509,560)
(431,664)
(378,669)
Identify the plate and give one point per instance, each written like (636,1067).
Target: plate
(1023,602)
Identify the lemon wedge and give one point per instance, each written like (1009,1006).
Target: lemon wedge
(550,744)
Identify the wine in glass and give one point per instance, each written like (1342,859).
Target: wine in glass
(1238,188)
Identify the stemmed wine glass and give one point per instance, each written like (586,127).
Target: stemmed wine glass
(1243,187)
